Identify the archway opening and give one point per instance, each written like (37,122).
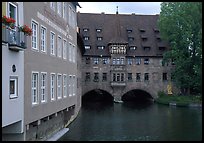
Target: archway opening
(137,97)
(96,99)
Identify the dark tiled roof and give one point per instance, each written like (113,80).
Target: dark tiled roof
(136,30)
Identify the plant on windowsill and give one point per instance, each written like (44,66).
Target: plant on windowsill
(26,30)
(8,22)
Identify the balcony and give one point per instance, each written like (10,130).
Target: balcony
(118,83)
(15,39)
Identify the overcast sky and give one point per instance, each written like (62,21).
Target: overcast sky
(151,8)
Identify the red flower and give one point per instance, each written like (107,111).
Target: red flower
(8,21)
(27,31)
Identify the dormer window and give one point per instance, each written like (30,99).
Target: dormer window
(133,47)
(87,47)
(130,38)
(99,38)
(161,48)
(129,31)
(86,38)
(85,29)
(98,30)
(142,30)
(147,48)
(101,47)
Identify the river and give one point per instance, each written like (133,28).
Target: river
(135,122)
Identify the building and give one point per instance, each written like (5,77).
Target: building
(13,46)
(123,53)
(50,97)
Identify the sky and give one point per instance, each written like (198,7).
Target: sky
(146,8)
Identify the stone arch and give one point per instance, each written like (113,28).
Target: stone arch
(138,91)
(97,94)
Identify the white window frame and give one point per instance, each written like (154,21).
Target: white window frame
(59,86)
(70,87)
(44,87)
(34,35)
(35,98)
(52,86)
(16,12)
(15,87)
(87,47)
(70,51)
(52,5)
(73,53)
(59,46)
(64,49)
(73,85)
(52,43)
(43,38)
(64,85)
(59,8)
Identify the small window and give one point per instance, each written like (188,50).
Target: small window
(138,77)
(96,60)
(146,61)
(96,77)
(98,30)
(146,76)
(129,31)
(138,61)
(88,60)
(99,38)
(164,77)
(142,30)
(129,76)
(147,48)
(161,48)
(88,76)
(101,47)
(85,29)
(133,47)
(130,38)
(87,47)
(13,87)
(104,78)
(86,38)
(129,61)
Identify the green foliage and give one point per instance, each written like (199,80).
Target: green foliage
(181,24)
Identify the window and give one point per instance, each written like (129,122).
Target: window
(138,77)
(86,38)
(146,61)
(88,76)
(98,30)
(59,86)
(64,85)
(63,10)
(122,76)
(122,61)
(43,86)
(147,48)
(52,86)
(100,47)
(118,77)
(85,29)
(130,38)
(34,91)
(99,38)
(129,61)
(105,61)
(146,76)
(13,86)
(12,11)
(74,85)
(52,43)
(70,83)
(59,47)
(114,61)
(87,47)
(59,8)
(104,78)
(52,5)
(34,26)
(164,77)
(114,77)
(64,49)
(43,39)
(87,60)
(129,31)
(118,61)
(133,47)
(73,53)
(96,60)
(138,61)
(96,77)
(129,76)
(70,52)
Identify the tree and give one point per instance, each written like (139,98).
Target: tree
(180,23)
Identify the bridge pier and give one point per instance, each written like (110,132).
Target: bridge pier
(117,94)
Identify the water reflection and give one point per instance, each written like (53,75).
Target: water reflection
(135,122)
